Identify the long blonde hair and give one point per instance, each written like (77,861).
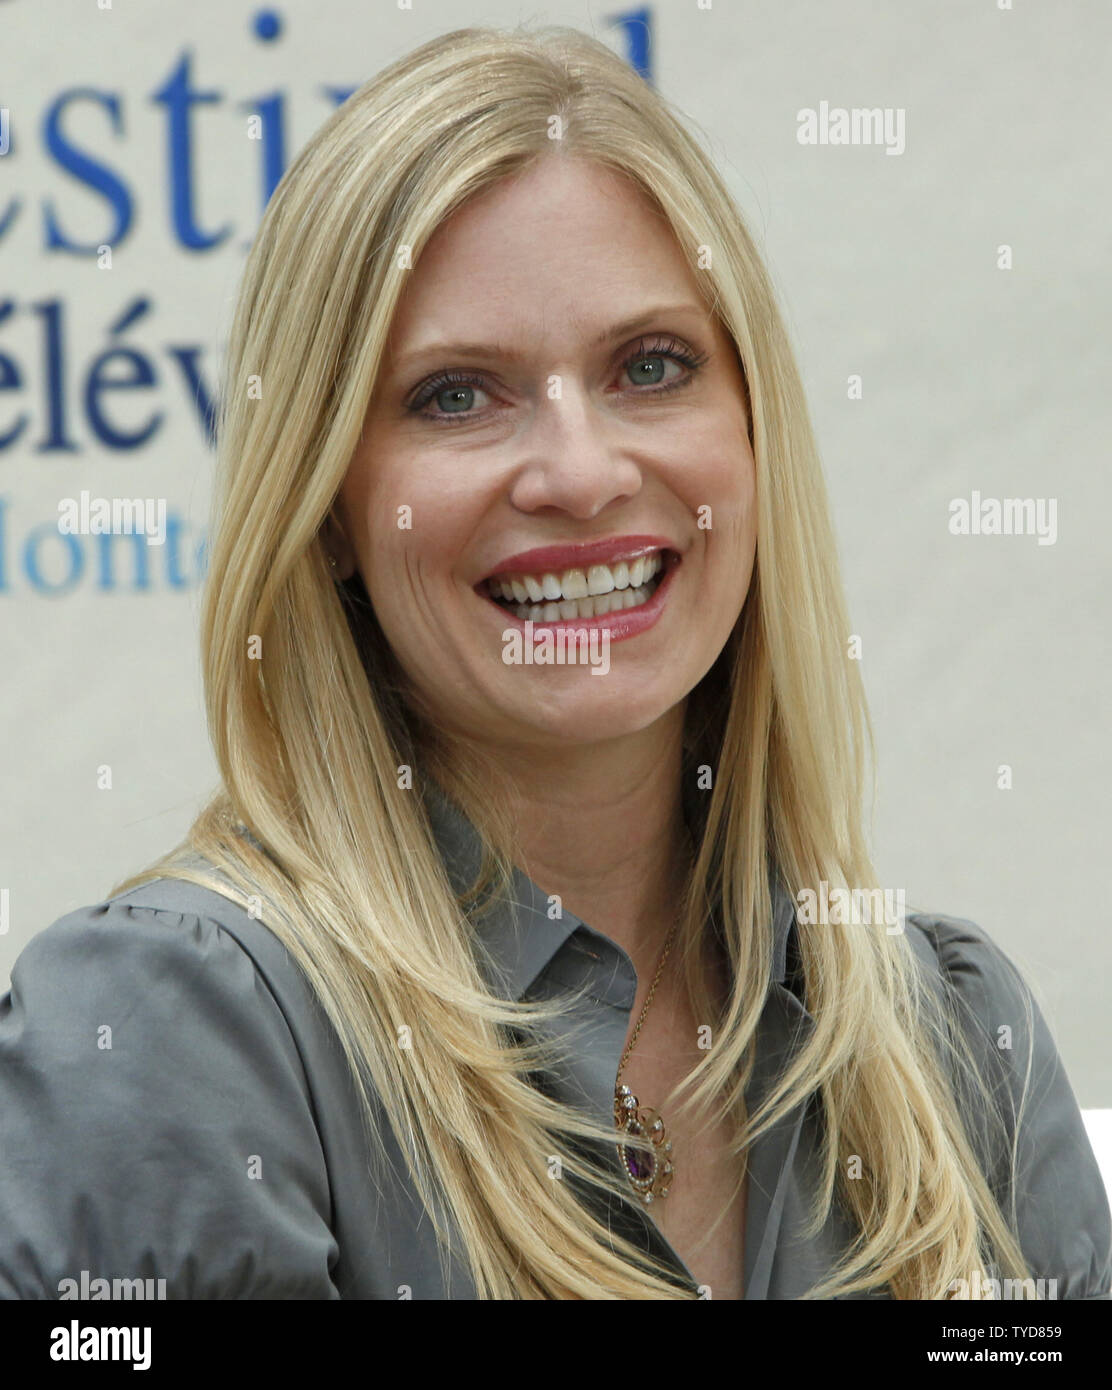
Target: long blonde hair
(311,739)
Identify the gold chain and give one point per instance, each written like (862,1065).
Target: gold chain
(659,971)
(651,1175)
(645,1009)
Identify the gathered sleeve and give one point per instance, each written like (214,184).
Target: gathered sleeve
(156,1121)
(1062,1211)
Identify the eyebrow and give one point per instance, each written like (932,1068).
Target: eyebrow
(617,330)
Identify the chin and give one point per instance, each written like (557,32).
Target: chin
(585,717)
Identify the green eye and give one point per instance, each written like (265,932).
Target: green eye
(456,398)
(654,362)
(453,392)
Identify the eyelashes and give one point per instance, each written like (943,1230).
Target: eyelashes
(667,348)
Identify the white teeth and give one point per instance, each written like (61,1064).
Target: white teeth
(574,584)
(593,606)
(599,579)
(592,592)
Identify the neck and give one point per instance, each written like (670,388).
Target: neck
(602,825)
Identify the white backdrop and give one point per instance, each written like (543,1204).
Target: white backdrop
(128,126)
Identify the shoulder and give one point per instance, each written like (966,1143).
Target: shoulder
(965,954)
(168,930)
(995,1022)
(972,974)
(155,1115)
(167,954)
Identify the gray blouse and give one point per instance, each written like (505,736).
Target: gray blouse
(174,1105)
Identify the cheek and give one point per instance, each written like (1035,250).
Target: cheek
(414,520)
(371,499)
(719,487)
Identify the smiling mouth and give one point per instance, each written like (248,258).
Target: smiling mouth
(588,592)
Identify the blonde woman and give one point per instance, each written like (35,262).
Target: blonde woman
(485,975)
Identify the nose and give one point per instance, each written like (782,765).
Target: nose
(573,457)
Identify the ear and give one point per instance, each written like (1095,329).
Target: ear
(335,542)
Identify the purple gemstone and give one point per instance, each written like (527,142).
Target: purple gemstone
(639,1164)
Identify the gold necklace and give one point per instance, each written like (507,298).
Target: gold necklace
(650,1172)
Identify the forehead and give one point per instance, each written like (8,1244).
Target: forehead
(562,249)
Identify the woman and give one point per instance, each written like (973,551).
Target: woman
(483,976)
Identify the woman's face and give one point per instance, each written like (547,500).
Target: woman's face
(553,382)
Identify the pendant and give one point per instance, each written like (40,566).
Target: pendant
(650,1173)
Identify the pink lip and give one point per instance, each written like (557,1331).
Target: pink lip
(555,559)
(629,622)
